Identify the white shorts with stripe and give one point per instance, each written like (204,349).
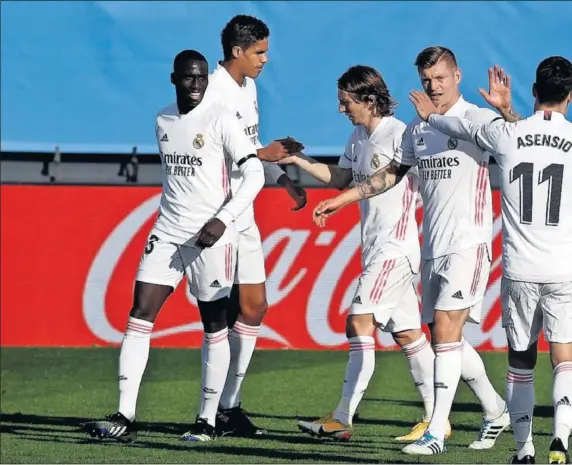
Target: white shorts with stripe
(209,272)
(455,282)
(250,267)
(386,290)
(529,307)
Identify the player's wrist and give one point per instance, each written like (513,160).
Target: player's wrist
(225,216)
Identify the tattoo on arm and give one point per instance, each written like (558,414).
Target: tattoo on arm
(511,115)
(382,180)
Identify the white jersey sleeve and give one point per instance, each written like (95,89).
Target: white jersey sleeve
(242,154)
(404,153)
(485,136)
(345,161)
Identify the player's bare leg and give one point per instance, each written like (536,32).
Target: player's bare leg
(215,354)
(421,360)
(561,355)
(359,370)
(148,300)
(246,311)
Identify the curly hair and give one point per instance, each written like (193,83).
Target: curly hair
(361,82)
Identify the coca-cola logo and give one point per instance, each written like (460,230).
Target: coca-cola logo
(312,276)
(101,271)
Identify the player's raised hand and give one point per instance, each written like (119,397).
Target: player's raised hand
(210,233)
(423,104)
(499,95)
(325,209)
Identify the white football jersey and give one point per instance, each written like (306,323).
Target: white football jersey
(242,102)
(197,150)
(535,160)
(388,225)
(453,182)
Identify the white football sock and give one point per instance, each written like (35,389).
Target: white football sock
(132,362)
(421,359)
(562,399)
(215,354)
(448,361)
(473,373)
(242,340)
(520,400)
(359,370)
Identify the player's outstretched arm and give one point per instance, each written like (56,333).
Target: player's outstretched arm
(485,136)
(331,175)
(376,184)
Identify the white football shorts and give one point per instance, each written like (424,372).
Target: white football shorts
(386,290)
(250,263)
(455,282)
(529,307)
(209,271)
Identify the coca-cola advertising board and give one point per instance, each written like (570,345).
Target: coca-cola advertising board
(69,255)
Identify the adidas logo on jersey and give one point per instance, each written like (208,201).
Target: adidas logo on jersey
(564,401)
(215,284)
(164,138)
(523,419)
(357,300)
(457,295)
(420,142)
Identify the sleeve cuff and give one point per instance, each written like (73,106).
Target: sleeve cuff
(225,216)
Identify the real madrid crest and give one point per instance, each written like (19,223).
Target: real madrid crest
(199,142)
(452,143)
(375,163)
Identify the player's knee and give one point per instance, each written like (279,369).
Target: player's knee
(359,325)
(448,326)
(144,311)
(404,338)
(213,314)
(523,359)
(253,307)
(560,353)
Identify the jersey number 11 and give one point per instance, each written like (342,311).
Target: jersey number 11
(554,175)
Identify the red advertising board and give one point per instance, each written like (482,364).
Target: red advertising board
(69,256)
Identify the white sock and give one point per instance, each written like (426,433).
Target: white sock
(132,362)
(448,361)
(421,359)
(215,354)
(473,373)
(520,400)
(242,340)
(562,399)
(359,371)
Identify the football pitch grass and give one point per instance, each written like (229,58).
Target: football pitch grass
(48,393)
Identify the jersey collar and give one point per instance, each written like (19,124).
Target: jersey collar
(458,108)
(548,115)
(220,69)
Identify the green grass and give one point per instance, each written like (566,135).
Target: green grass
(47,393)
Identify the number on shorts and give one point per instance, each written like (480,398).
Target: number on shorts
(151,244)
(554,174)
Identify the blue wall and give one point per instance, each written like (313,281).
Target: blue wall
(90,76)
